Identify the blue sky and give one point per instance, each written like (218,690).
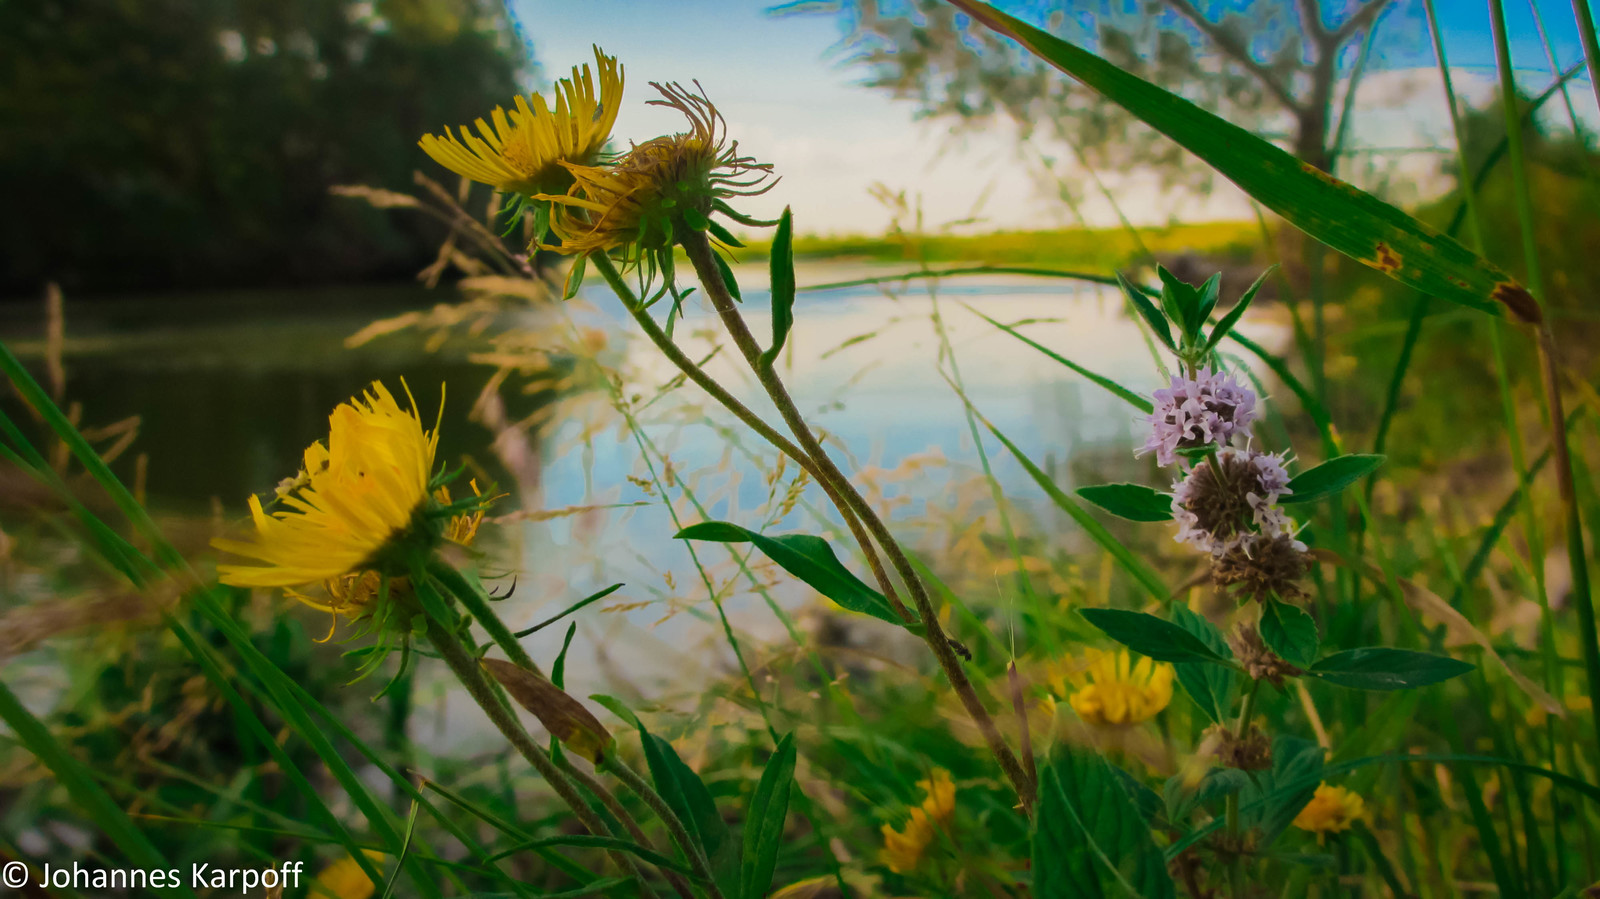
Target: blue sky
(791,100)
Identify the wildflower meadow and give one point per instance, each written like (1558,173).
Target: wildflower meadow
(1310,617)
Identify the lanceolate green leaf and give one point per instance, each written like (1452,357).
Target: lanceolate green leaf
(1382,668)
(1089,839)
(763,824)
(1234,314)
(1134,502)
(1338,214)
(810,559)
(1330,477)
(782,261)
(1141,403)
(686,793)
(1150,636)
(1152,316)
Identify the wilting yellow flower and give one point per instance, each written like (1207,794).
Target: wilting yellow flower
(526,149)
(360,491)
(659,185)
(903,849)
(1109,688)
(1331,810)
(344,879)
(461,529)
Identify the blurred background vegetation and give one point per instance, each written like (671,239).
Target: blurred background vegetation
(152,144)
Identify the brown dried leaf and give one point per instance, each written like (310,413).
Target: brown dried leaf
(566,718)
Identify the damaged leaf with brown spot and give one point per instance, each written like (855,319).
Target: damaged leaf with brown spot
(566,718)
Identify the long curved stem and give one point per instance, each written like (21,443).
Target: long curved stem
(698,375)
(466,670)
(699,250)
(680,833)
(629,822)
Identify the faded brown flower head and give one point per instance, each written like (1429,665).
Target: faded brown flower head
(1251,752)
(1259,662)
(1259,567)
(659,186)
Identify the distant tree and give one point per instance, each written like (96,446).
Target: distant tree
(1268,65)
(156,143)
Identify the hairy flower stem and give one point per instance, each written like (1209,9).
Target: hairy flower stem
(471,676)
(1231,804)
(699,250)
(698,375)
(478,607)
(675,826)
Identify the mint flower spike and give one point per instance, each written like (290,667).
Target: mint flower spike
(1218,514)
(1208,409)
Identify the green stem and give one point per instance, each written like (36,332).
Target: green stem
(1591,47)
(478,607)
(629,822)
(700,254)
(742,412)
(1231,805)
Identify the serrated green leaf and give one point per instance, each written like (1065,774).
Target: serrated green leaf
(1134,502)
(1151,636)
(1294,761)
(1330,477)
(763,825)
(1382,668)
(1332,211)
(1089,840)
(1147,310)
(1210,686)
(1290,632)
(783,286)
(810,559)
(1232,318)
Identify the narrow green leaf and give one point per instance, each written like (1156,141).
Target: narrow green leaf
(615,707)
(1237,312)
(1179,300)
(1290,632)
(763,825)
(688,797)
(405,850)
(722,234)
(1209,292)
(575,277)
(1150,636)
(728,279)
(810,559)
(783,287)
(1210,686)
(1142,403)
(558,671)
(1338,214)
(590,841)
(1148,310)
(1134,502)
(1090,841)
(1330,477)
(1382,668)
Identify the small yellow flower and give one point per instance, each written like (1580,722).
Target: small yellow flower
(360,491)
(344,879)
(659,185)
(527,148)
(903,849)
(1331,810)
(1110,689)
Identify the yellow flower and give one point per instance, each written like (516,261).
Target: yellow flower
(526,149)
(344,879)
(360,491)
(1111,689)
(659,185)
(903,849)
(1331,810)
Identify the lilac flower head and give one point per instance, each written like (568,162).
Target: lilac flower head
(1229,497)
(1210,408)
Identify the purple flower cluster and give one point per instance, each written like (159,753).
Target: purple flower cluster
(1210,408)
(1231,499)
